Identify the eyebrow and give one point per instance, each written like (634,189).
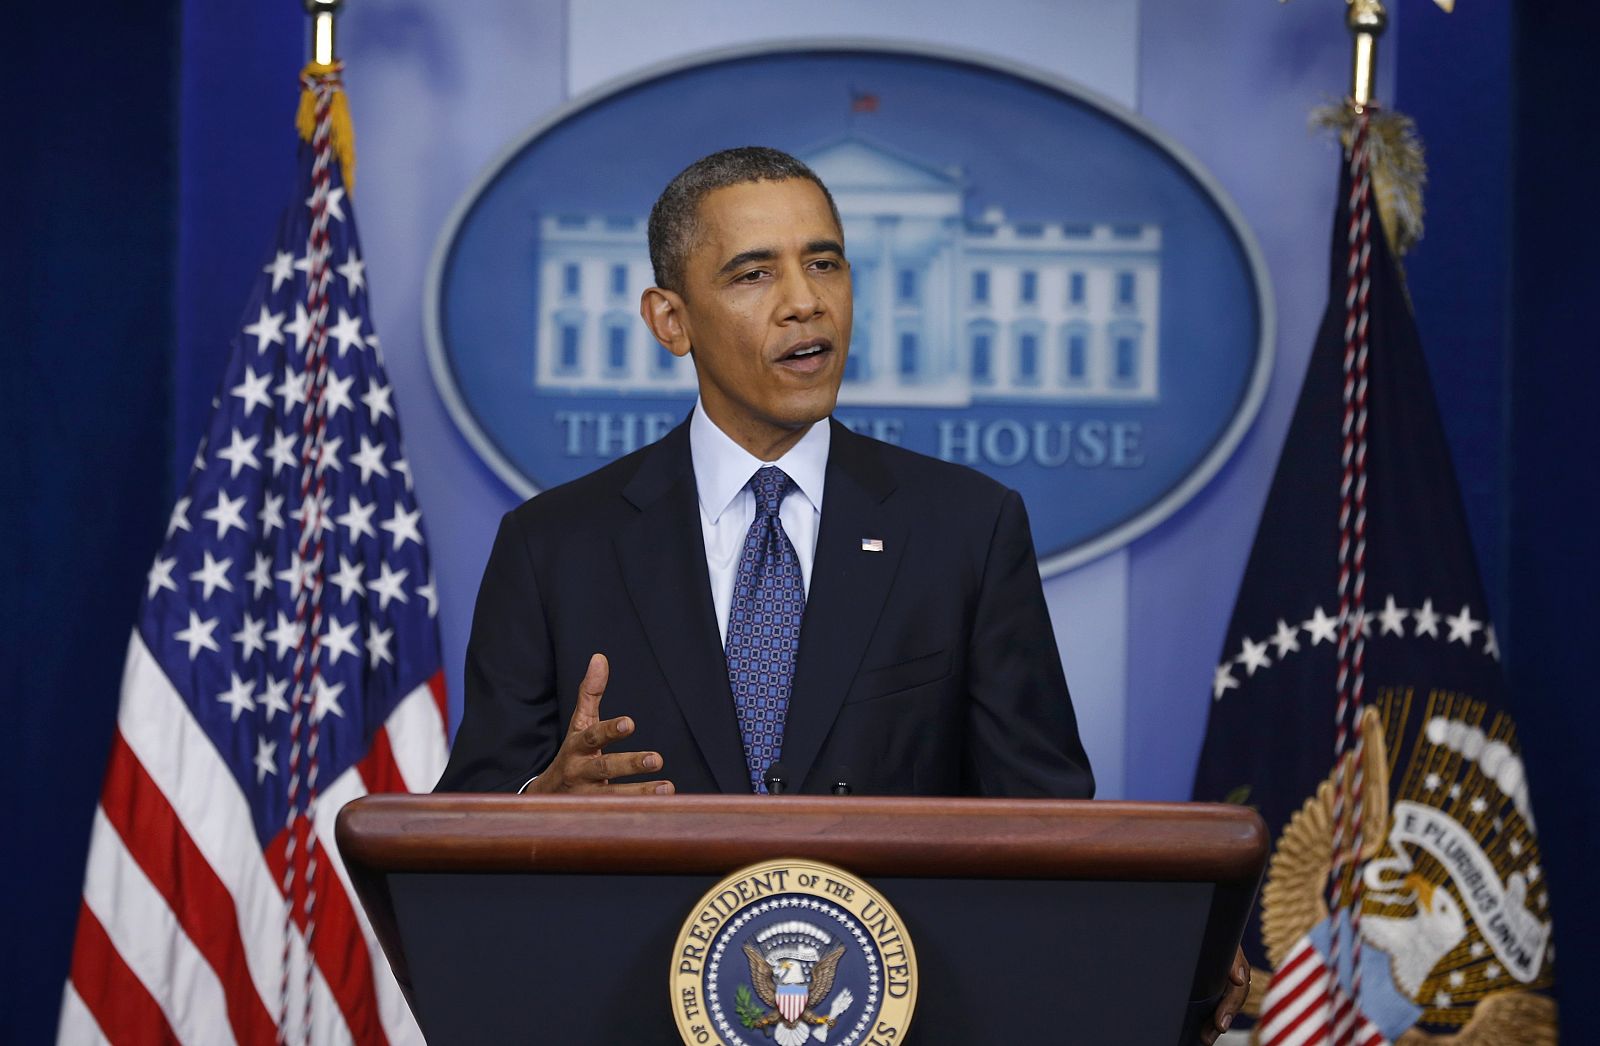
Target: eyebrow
(766,254)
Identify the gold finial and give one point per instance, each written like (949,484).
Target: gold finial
(322,13)
(1367,20)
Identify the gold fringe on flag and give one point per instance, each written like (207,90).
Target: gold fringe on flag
(1399,167)
(342,130)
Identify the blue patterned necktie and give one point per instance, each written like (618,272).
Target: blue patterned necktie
(769,599)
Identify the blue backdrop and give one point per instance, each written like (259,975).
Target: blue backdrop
(150,154)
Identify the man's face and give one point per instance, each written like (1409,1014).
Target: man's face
(766,309)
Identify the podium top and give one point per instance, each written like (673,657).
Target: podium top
(710,834)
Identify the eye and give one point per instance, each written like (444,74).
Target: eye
(752,276)
(827,265)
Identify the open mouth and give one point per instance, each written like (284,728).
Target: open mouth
(810,350)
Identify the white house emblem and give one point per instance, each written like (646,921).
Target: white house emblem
(1087,319)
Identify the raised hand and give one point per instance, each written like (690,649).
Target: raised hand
(582,765)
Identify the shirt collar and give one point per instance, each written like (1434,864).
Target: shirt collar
(722,467)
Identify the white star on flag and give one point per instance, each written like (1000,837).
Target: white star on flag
(326,699)
(377,400)
(300,327)
(260,576)
(346,332)
(198,635)
(1427,620)
(1222,682)
(336,640)
(350,579)
(237,697)
(430,592)
(160,576)
(378,644)
(1463,627)
(271,514)
(227,514)
(285,635)
(280,268)
(1322,628)
(1253,656)
(335,201)
(1392,618)
(357,519)
(212,575)
(1491,643)
(267,330)
(266,758)
(252,391)
(329,456)
(240,453)
(387,586)
(249,637)
(369,459)
(292,390)
(403,525)
(281,453)
(354,272)
(272,698)
(179,520)
(295,575)
(1286,640)
(336,396)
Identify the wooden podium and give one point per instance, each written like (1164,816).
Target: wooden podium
(553,920)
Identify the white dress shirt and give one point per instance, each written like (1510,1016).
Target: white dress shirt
(722,469)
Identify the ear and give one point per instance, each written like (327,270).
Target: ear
(668,320)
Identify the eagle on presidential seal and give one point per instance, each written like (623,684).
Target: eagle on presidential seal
(782,984)
(1428,957)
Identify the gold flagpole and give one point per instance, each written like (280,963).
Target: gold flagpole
(322,14)
(1367,20)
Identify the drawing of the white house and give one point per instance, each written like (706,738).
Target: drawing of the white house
(948,311)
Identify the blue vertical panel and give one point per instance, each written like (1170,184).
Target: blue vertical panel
(1555,372)
(238,89)
(1452,75)
(86,371)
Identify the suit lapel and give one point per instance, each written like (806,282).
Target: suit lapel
(662,554)
(848,588)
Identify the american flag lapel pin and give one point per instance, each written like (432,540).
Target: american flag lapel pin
(872,544)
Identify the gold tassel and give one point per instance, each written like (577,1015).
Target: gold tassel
(1399,167)
(342,131)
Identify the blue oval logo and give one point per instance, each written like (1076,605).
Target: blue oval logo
(1045,288)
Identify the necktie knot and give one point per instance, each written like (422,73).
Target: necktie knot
(769,485)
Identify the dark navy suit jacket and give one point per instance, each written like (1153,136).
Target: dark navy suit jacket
(928,668)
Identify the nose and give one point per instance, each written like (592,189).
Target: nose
(801,299)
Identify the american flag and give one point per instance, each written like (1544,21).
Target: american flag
(285,661)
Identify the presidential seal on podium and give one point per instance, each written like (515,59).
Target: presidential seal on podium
(790,952)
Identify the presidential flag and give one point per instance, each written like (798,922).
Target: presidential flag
(285,661)
(1360,704)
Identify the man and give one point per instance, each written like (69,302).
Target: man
(913,649)
(764,595)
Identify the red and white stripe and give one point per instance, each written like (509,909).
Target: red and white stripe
(1305,1007)
(181,931)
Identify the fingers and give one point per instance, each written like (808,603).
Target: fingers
(1232,999)
(605,767)
(590,690)
(642,788)
(599,735)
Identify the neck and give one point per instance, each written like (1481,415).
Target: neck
(767,442)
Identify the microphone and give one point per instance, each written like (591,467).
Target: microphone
(841,780)
(776,779)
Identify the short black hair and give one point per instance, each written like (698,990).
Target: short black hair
(674,217)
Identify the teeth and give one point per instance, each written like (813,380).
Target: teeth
(807,352)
